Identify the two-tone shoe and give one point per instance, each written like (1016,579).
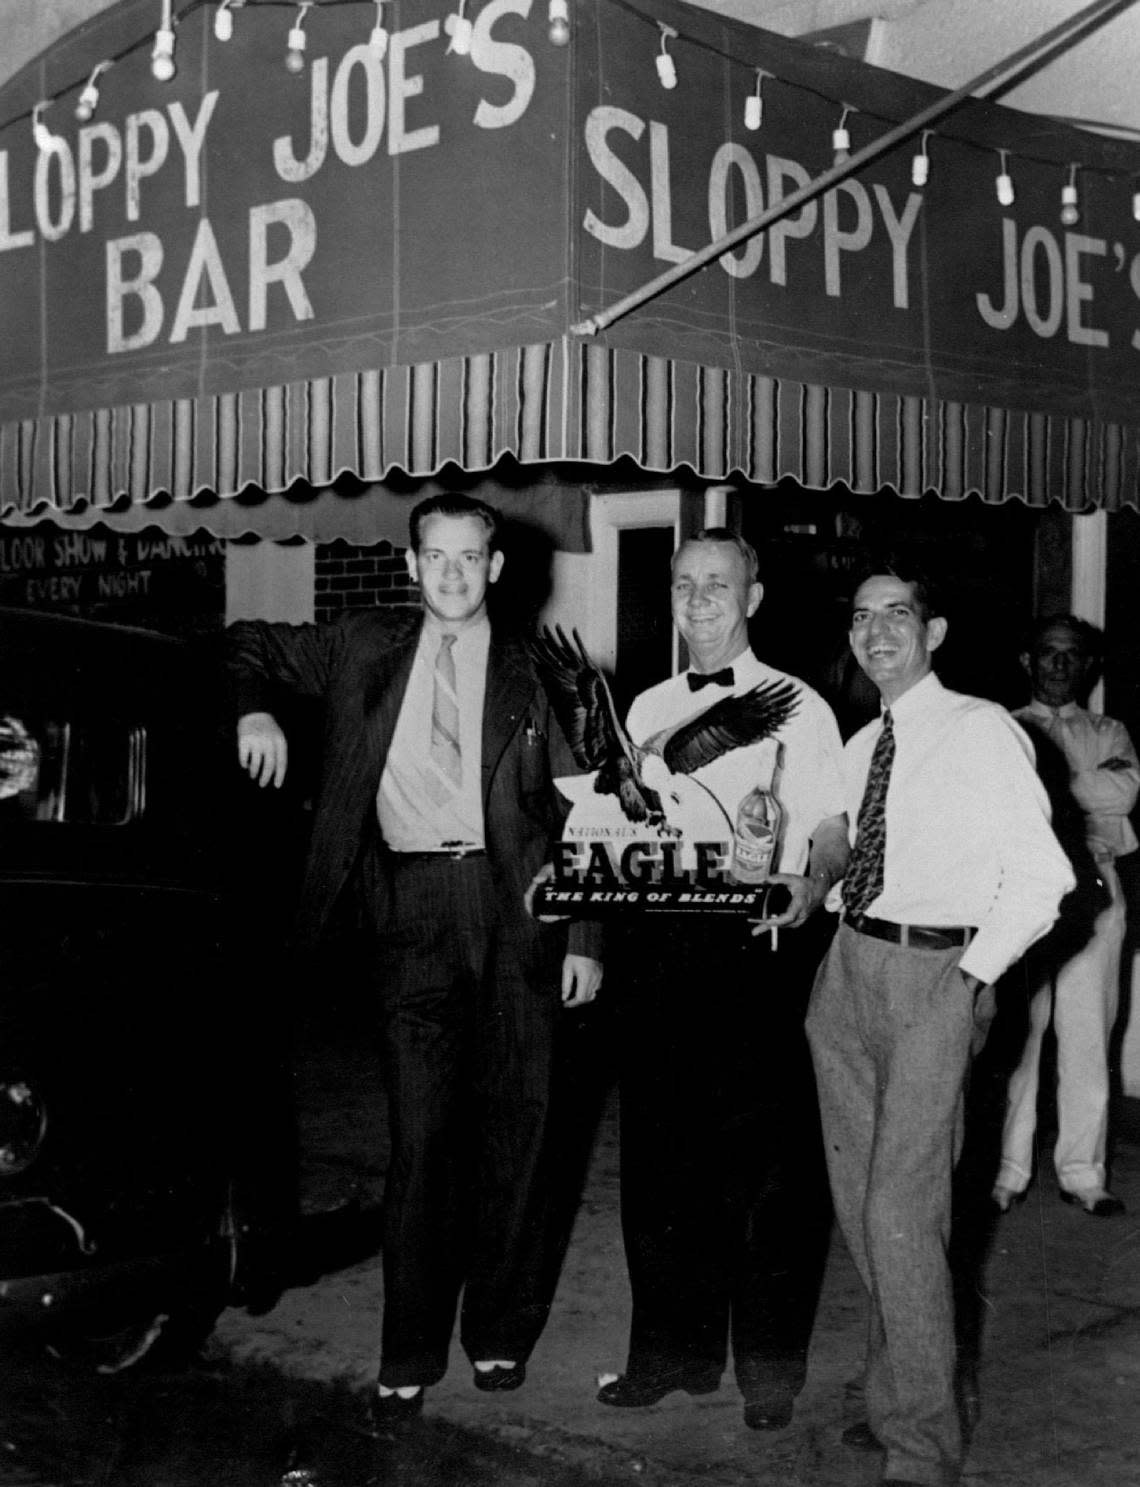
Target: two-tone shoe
(499,1379)
(392,1413)
(630,1391)
(1098,1203)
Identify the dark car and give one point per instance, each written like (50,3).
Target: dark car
(135,1133)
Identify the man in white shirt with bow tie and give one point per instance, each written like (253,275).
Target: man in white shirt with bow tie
(1079,990)
(724,1197)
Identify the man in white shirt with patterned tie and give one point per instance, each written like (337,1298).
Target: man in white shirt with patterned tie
(954,872)
(1078,988)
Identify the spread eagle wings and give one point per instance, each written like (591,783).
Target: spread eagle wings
(584,705)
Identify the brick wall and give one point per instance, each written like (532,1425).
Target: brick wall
(349,577)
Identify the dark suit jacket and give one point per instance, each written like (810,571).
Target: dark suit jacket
(360,666)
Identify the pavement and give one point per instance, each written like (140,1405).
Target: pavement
(1053,1297)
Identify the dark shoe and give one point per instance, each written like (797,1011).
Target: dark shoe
(499,1380)
(1098,1204)
(391,1412)
(860,1437)
(629,1392)
(768,1414)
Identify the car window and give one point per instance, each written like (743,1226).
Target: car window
(84,771)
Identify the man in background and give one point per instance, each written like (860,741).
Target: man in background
(436,807)
(953,873)
(1091,764)
(723,1190)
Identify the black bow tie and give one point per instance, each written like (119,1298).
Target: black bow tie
(698,679)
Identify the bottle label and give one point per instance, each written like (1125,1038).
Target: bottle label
(752,854)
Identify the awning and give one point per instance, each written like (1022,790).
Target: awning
(228,299)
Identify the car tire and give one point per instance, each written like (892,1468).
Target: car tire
(162,1335)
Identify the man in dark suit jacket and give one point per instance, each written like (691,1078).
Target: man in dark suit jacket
(437,807)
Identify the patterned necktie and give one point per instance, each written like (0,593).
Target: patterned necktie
(445,753)
(863,881)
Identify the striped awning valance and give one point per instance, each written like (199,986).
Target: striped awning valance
(542,404)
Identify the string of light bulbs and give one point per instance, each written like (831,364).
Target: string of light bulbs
(668,76)
(459,28)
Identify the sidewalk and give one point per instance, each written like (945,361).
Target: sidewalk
(1060,1354)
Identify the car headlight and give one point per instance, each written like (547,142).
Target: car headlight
(23,1122)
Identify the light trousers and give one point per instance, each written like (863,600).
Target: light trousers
(890,1031)
(1081,996)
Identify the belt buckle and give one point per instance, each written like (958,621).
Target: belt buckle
(457,851)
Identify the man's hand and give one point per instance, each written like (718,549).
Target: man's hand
(985,1010)
(581,978)
(806,895)
(829,852)
(262,750)
(544,875)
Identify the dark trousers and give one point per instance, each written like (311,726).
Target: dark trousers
(468,1018)
(725,1210)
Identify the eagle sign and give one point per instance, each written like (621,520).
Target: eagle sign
(647,780)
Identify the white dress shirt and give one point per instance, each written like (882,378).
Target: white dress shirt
(1105,795)
(968,835)
(810,786)
(409,820)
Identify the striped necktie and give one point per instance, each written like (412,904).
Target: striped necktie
(445,753)
(863,881)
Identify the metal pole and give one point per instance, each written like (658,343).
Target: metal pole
(1068,31)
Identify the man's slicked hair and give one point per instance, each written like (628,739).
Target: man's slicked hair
(454,503)
(897,562)
(723,536)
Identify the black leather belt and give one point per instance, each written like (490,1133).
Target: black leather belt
(443,854)
(912,936)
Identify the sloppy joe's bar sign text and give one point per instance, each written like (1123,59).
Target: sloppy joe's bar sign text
(240,226)
(110,174)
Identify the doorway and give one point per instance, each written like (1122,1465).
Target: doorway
(811,545)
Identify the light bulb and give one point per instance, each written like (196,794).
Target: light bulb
(753,111)
(1136,205)
(558,17)
(162,57)
(1004,187)
(378,43)
(460,29)
(224,23)
(44,138)
(666,70)
(841,144)
(920,170)
(87,103)
(295,56)
(1070,213)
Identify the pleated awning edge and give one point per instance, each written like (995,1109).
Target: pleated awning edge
(562,401)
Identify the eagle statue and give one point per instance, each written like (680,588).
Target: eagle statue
(638,775)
